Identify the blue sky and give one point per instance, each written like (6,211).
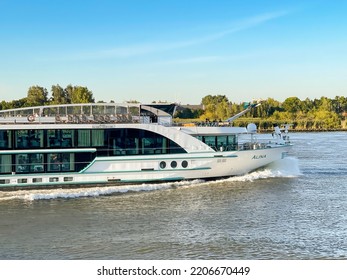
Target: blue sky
(175,51)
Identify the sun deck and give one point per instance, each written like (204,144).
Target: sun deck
(90,113)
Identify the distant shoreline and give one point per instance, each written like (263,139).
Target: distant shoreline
(306,130)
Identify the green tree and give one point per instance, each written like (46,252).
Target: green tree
(307,105)
(222,110)
(213,99)
(216,107)
(80,94)
(292,105)
(269,106)
(325,119)
(325,104)
(37,96)
(59,95)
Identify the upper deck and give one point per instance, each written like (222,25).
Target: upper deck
(90,113)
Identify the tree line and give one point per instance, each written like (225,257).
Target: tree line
(317,114)
(39,96)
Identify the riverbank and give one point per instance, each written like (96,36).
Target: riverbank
(268,125)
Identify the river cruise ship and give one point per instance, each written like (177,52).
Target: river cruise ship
(102,144)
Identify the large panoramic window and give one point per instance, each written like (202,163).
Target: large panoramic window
(60,138)
(32,138)
(57,162)
(139,142)
(26,163)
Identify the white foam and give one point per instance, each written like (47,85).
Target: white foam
(284,168)
(288,167)
(31,195)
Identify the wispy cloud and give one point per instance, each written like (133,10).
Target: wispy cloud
(211,58)
(154,47)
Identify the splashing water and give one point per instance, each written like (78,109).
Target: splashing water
(288,167)
(285,168)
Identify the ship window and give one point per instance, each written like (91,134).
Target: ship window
(22,181)
(211,141)
(173,164)
(222,142)
(29,163)
(184,164)
(32,138)
(5,163)
(162,164)
(54,179)
(98,138)
(22,139)
(67,161)
(135,141)
(175,148)
(4,181)
(148,145)
(53,138)
(22,163)
(37,180)
(54,162)
(67,138)
(35,138)
(83,138)
(61,162)
(5,139)
(60,138)
(36,162)
(232,143)
(68,179)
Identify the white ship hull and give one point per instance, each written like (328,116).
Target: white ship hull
(47,151)
(135,170)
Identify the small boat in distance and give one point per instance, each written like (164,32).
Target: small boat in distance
(102,144)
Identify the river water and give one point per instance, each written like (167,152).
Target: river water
(295,209)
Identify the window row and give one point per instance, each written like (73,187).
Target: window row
(220,143)
(116,141)
(51,138)
(39,162)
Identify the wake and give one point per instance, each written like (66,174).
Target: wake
(286,168)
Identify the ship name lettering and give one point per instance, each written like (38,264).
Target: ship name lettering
(259,156)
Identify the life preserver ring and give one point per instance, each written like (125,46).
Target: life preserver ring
(70,118)
(107,118)
(57,118)
(31,118)
(100,118)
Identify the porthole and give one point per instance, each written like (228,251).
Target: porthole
(162,164)
(184,164)
(173,164)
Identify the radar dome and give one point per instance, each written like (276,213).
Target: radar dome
(251,128)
